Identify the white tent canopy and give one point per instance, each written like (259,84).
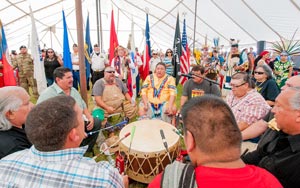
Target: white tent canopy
(247,20)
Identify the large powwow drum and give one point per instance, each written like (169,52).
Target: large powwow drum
(147,156)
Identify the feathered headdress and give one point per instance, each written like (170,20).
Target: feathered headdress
(205,46)
(289,47)
(234,43)
(216,44)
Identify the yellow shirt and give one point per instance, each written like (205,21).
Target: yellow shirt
(163,94)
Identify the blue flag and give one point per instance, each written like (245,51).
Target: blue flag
(67,54)
(87,48)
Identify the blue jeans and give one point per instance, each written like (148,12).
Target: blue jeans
(76,79)
(49,81)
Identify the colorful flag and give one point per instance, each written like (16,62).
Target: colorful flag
(185,56)
(134,71)
(66,54)
(87,49)
(177,48)
(147,52)
(113,38)
(39,69)
(8,72)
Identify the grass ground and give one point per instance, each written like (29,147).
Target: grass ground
(91,105)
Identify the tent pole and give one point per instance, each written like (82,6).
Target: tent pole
(83,89)
(98,25)
(101,32)
(195,25)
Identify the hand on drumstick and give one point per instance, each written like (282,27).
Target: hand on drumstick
(125,181)
(110,110)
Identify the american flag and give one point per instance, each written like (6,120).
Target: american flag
(185,57)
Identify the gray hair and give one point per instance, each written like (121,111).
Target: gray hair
(295,100)
(267,70)
(9,101)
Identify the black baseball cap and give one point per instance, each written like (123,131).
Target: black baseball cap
(23,46)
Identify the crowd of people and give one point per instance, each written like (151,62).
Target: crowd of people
(234,103)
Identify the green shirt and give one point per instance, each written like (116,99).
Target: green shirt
(54,90)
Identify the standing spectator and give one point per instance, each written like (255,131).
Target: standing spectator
(56,129)
(168,61)
(153,61)
(252,52)
(75,66)
(283,69)
(119,64)
(14,107)
(99,62)
(24,64)
(51,62)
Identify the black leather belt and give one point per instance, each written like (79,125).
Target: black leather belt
(98,71)
(75,70)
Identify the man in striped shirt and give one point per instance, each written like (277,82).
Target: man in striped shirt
(56,128)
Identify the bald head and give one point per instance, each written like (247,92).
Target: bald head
(294,81)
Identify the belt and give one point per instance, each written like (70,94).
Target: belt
(75,70)
(98,70)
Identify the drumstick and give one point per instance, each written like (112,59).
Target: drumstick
(165,143)
(177,132)
(103,151)
(131,137)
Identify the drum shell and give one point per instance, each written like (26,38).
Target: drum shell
(145,161)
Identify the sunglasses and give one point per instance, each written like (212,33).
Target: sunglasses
(258,72)
(169,52)
(154,54)
(50,52)
(236,86)
(110,71)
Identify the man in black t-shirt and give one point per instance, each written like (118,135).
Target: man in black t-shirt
(197,86)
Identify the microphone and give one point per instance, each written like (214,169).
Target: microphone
(185,75)
(162,134)
(207,79)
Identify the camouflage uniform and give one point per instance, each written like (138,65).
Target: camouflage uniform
(24,63)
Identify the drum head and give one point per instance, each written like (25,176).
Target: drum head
(147,137)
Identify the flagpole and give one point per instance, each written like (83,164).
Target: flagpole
(98,24)
(101,32)
(83,89)
(195,25)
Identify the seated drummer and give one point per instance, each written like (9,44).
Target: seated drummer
(213,142)
(158,95)
(247,105)
(198,86)
(112,95)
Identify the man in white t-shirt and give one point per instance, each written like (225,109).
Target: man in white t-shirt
(99,62)
(75,67)
(154,60)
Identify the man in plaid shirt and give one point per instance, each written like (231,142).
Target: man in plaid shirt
(56,128)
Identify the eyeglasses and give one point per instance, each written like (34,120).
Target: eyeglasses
(236,86)
(256,72)
(110,71)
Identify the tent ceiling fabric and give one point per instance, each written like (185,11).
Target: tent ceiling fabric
(247,20)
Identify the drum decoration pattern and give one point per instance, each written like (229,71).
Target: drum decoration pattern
(148,156)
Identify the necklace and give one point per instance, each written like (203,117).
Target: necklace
(258,86)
